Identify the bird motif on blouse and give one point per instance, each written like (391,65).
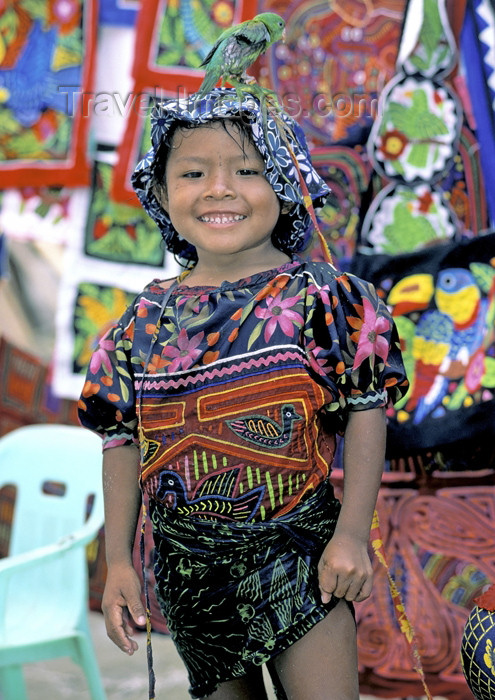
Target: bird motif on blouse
(264,431)
(213,498)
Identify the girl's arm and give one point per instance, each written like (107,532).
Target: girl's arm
(122,593)
(345,569)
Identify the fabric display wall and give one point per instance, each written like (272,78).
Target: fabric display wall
(425,244)
(397,101)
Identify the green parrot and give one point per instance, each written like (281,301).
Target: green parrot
(238,47)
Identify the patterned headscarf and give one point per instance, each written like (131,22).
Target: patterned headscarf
(280,171)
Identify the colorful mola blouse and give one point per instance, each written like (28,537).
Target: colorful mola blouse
(242,388)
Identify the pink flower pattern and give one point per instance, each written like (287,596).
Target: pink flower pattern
(371,341)
(323,292)
(279,313)
(100,357)
(475,371)
(316,363)
(185,353)
(305,316)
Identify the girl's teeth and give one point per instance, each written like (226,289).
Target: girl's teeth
(222,219)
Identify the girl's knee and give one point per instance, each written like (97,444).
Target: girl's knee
(322,665)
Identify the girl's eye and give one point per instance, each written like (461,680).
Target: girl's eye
(248,171)
(193,174)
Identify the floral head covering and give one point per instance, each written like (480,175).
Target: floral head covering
(280,170)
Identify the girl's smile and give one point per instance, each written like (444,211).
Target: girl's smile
(218,199)
(221,218)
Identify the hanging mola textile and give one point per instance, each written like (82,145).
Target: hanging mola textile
(46,69)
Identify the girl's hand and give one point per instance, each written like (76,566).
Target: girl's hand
(345,570)
(122,596)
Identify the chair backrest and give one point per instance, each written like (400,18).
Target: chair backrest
(56,471)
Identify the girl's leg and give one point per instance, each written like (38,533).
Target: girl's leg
(322,665)
(249,687)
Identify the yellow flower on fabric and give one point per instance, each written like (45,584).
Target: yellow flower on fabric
(489,656)
(222,13)
(101,313)
(393,144)
(99,317)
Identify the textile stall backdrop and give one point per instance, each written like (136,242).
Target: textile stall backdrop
(436,503)
(421,244)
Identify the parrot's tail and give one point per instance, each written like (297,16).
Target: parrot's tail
(209,82)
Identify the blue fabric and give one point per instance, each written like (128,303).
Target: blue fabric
(474,43)
(3,256)
(116,13)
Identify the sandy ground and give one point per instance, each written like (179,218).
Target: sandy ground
(124,678)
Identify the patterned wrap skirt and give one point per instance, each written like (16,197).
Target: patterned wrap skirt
(237,594)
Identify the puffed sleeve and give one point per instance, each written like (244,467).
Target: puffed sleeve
(353,345)
(107,402)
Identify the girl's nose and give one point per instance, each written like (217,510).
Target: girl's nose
(219,185)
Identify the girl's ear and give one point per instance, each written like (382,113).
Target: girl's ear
(286,207)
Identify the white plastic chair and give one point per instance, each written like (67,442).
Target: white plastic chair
(56,471)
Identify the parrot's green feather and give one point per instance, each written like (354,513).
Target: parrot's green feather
(238,47)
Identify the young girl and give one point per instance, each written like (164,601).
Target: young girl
(233,381)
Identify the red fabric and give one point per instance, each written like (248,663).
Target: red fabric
(25,393)
(487,599)
(132,148)
(145,69)
(436,532)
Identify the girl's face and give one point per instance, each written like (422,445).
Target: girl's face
(216,194)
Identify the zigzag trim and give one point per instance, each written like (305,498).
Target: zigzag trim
(219,373)
(287,348)
(363,400)
(116,439)
(486,37)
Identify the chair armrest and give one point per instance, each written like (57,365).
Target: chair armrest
(11,565)
(85,534)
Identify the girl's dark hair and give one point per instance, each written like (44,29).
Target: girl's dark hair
(159,167)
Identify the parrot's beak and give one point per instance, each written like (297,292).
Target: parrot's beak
(284,37)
